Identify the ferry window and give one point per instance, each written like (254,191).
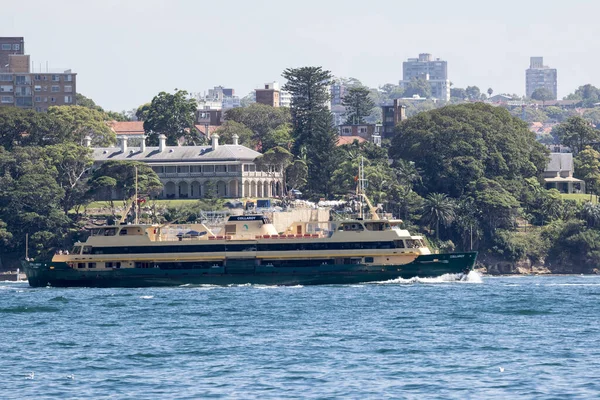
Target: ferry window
(375,226)
(412,244)
(142,265)
(108,265)
(80,265)
(110,231)
(230,229)
(87,250)
(76,250)
(123,232)
(118,264)
(92,265)
(368,259)
(399,244)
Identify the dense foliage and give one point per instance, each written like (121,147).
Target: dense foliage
(312,125)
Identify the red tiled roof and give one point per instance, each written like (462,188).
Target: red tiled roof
(349,140)
(128,127)
(202,129)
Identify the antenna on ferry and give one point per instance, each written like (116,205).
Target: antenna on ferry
(136,196)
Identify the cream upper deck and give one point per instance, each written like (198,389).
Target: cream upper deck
(254,228)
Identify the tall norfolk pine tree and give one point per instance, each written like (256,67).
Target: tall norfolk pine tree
(358,105)
(314,135)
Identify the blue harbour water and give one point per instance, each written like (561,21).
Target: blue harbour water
(505,337)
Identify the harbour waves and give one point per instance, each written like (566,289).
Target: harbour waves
(531,337)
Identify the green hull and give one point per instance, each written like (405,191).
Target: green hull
(42,274)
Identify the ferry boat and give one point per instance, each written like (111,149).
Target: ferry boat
(249,250)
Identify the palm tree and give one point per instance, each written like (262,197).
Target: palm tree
(438,208)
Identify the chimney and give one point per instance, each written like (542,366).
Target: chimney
(123,140)
(162,142)
(88,141)
(143,143)
(235,139)
(215,141)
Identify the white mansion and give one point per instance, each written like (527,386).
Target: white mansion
(187,172)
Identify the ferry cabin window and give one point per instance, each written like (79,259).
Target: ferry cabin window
(352,227)
(80,265)
(413,244)
(87,250)
(104,232)
(76,250)
(92,265)
(399,244)
(377,226)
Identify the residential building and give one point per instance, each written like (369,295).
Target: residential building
(285,98)
(21,87)
(391,115)
(269,95)
(231,102)
(194,172)
(339,114)
(559,174)
(10,46)
(539,76)
(337,91)
(219,97)
(368,132)
(434,71)
(209,117)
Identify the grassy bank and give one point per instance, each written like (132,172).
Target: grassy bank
(579,197)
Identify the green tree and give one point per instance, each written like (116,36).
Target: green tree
(473,93)
(458,94)
(86,102)
(587,167)
(358,104)
(82,122)
(542,94)
(120,176)
(296,174)
(313,132)
(230,128)
(496,205)
(141,113)
(72,162)
(263,120)
(172,115)
(438,209)
(280,136)
(457,145)
(419,87)
(29,128)
(576,133)
(588,94)
(30,199)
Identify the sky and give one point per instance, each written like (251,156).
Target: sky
(126,51)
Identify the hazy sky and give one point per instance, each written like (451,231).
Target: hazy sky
(126,51)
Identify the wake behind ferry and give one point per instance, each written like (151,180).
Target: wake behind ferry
(250,250)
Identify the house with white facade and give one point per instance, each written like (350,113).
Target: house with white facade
(191,172)
(559,174)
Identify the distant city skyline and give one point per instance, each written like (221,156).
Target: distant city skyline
(124,53)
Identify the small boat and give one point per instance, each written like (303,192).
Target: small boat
(249,250)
